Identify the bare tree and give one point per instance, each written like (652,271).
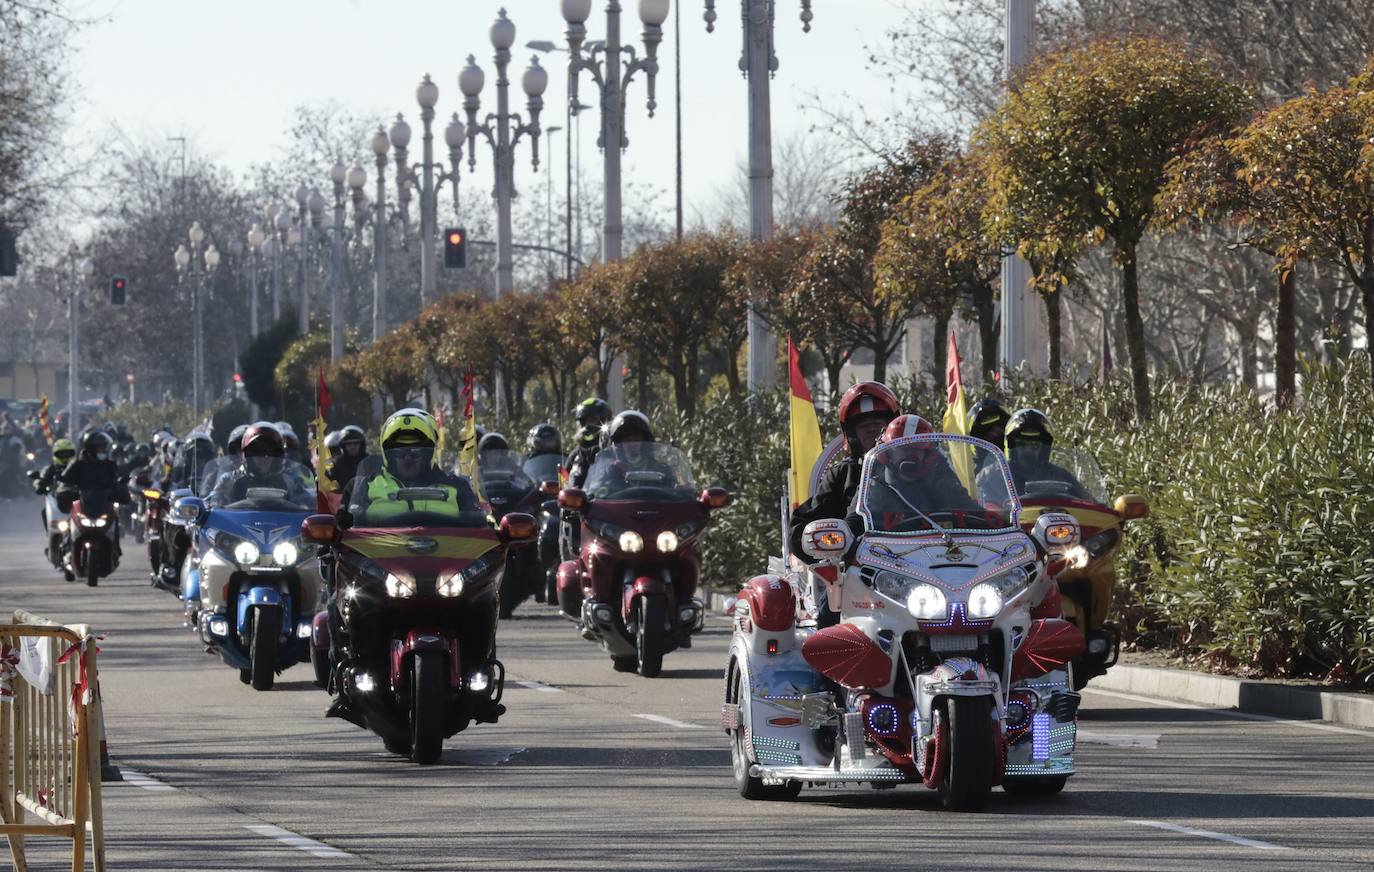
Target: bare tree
(808,171)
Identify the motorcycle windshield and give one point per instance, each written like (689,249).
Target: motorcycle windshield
(268,484)
(543,468)
(936,482)
(641,471)
(500,472)
(1046,473)
(402,487)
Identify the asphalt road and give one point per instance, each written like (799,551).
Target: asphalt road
(593,769)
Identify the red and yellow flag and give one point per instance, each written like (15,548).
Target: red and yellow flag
(324,485)
(956,415)
(467,437)
(44,420)
(806,432)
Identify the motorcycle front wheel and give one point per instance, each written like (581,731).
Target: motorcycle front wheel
(649,638)
(266,629)
(967,779)
(92,569)
(429,689)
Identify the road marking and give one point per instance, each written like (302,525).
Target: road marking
(300,843)
(670,722)
(1119,740)
(138,779)
(542,688)
(1244,716)
(1208,834)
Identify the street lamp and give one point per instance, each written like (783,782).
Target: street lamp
(427,96)
(338,174)
(612,76)
(502,138)
(256,240)
(758,64)
(282,222)
(548,206)
(380,143)
(309,234)
(81,273)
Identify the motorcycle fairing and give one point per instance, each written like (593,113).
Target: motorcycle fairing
(976,557)
(421,551)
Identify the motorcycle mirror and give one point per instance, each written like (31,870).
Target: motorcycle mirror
(188,509)
(517,528)
(715,498)
(827,539)
(574,499)
(1132,507)
(548,488)
(1056,531)
(320,529)
(549,506)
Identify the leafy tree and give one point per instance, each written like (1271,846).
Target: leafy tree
(392,367)
(258,363)
(590,315)
(555,354)
(297,375)
(1079,149)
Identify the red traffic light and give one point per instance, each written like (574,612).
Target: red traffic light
(455,237)
(238,378)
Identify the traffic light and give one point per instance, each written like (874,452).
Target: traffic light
(118,286)
(455,248)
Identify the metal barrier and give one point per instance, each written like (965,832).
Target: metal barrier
(49,737)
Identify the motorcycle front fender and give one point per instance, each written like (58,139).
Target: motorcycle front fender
(258,595)
(637,585)
(423,640)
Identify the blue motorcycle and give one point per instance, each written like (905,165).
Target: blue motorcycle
(251,587)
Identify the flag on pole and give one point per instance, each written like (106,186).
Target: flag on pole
(956,415)
(467,438)
(439,426)
(44,420)
(324,485)
(805,431)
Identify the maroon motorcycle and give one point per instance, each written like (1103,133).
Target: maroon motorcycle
(633,587)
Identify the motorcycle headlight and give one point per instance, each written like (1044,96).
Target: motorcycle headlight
(927,602)
(286,554)
(631,542)
(984,601)
(246,553)
(894,585)
(400,588)
(62,526)
(100,522)
(451,584)
(86,522)
(667,541)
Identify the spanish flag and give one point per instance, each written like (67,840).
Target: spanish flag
(956,416)
(443,437)
(467,438)
(806,433)
(326,490)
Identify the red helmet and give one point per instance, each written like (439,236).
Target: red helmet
(867,398)
(263,440)
(905,425)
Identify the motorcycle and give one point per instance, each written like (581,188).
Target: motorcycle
(1088,583)
(949,664)
(55,525)
(249,586)
(150,514)
(546,469)
(633,586)
(92,544)
(507,487)
(416,596)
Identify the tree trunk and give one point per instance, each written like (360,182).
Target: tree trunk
(1135,332)
(693,378)
(832,377)
(732,379)
(679,383)
(1249,354)
(1053,325)
(1285,337)
(642,381)
(603,372)
(988,327)
(940,358)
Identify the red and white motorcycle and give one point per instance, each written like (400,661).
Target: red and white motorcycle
(949,665)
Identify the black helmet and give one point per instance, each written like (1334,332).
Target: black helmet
(543,439)
(352,433)
(492,442)
(987,420)
(235,443)
(626,423)
(332,442)
(96,443)
(1028,436)
(593,409)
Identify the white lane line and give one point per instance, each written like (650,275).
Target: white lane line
(671,722)
(1208,834)
(542,688)
(138,779)
(1119,740)
(1244,716)
(300,843)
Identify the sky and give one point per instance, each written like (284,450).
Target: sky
(227,76)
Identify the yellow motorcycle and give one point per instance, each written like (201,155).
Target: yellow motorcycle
(1087,581)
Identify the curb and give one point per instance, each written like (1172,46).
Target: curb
(1294,702)
(1252,697)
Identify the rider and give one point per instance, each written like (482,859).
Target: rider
(543,439)
(63,453)
(865,410)
(409,438)
(629,439)
(264,465)
(226,462)
(92,471)
(987,420)
(1028,441)
(344,465)
(592,415)
(197,453)
(915,478)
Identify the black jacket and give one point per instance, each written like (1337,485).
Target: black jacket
(91,476)
(580,461)
(834,493)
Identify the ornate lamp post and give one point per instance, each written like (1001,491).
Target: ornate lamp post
(283,224)
(256,240)
(212,258)
(427,95)
(310,234)
(496,128)
(81,273)
(759,63)
(380,143)
(338,175)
